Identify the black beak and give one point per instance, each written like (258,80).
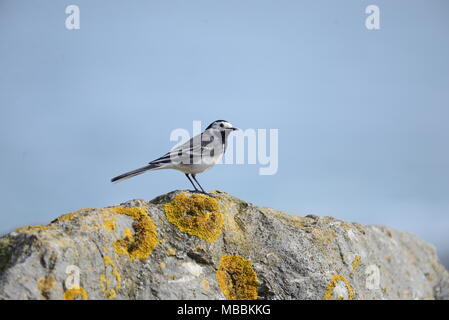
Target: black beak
(233,129)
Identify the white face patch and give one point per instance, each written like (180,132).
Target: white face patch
(227,125)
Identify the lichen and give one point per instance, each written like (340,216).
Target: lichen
(171,252)
(355,263)
(198,215)
(64,218)
(106,285)
(236,278)
(45,285)
(5,253)
(109,224)
(329,293)
(31,228)
(71,215)
(323,235)
(144,240)
(76,294)
(121,246)
(205,285)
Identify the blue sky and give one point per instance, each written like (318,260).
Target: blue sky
(362,115)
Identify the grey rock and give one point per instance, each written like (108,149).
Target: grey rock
(254,253)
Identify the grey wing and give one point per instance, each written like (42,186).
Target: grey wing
(190,151)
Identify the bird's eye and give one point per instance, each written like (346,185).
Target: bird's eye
(221,125)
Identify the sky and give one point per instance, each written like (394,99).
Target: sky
(361,114)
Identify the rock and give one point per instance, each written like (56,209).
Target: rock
(190,246)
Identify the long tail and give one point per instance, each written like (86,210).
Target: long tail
(134,173)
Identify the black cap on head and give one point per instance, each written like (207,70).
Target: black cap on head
(215,122)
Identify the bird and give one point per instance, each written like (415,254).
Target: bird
(195,156)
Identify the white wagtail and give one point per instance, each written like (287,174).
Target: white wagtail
(195,156)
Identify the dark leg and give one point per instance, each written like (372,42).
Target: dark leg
(194,178)
(187,175)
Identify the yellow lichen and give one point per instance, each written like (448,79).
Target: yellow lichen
(329,293)
(171,252)
(45,285)
(72,215)
(31,228)
(356,262)
(65,217)
(106,285)
(205,285)
(198,215)
(121,246)
(323,235)
(236,278)
(76,294)
(109,224)
(143,242)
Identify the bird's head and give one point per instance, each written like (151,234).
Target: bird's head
(221,125)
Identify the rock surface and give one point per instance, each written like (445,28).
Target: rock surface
(190,246)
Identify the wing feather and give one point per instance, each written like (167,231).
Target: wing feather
(190,151)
